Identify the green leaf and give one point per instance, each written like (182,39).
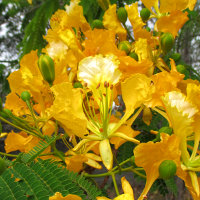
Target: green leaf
(43,179)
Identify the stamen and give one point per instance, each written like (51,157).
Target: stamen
(111,87)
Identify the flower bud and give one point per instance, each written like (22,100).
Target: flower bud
(176,56)
(133,55)
(124,46)
(3,165)
(181,69)
(78,85)
(167,169)
(122,14)
(47,69)
(104,4)
(167,42)
(25,96)
(145,14)
(97,24)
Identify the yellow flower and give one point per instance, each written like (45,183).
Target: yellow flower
(128,192)
(58,196)
(182,115)
(101,73)
(150,155)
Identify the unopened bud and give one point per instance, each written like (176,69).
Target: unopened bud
(167,42)
(78,85)
(145,14)
(134,56)
(181,69)
(25,96)
(47,69)
(167,169)
(97,24)
(122,14)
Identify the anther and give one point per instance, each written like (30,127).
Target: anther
(98,86)
(70,138)
(85,84)
(101,130)
(111,87)
(106,84)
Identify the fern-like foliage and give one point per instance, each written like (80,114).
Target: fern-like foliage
(38,149)
(33,38)
(41,179)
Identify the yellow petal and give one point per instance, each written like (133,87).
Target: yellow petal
(93,156)
(129,66)
(98,69)
(124,197)
(191,4)
(142,49)
(133,16)
(172,23)
(101,41)
(75,163)
(67,109)
(126,187)
(122,135)
(103,198)
(75,17)
(93,163)
(16,141)
(106,153)
(127,131)
(58,196)
(172,5)
(135,91)
(111,22)
(149,3)
(16,105)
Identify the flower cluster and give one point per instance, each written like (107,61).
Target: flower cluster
(73,91)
